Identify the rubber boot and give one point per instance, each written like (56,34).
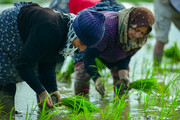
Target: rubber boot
(7,99)
(82,83)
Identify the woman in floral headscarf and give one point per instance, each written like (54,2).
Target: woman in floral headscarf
(126,32)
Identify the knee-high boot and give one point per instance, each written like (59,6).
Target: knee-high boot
(81,85)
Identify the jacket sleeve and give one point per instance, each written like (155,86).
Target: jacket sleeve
(47,76)
(35,47)
(89,62)
(124,63)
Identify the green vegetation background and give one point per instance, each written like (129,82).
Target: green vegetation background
(42,1)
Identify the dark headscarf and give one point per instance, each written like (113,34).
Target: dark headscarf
(132,18)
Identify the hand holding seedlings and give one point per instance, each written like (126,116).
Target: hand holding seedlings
(43,96)
(99,86)
(56,97)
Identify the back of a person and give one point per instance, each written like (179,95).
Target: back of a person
(77,5)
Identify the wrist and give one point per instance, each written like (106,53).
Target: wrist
(98,80)
(44,94)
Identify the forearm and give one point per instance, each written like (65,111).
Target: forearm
(47,76)
(90,64)
(123,74)
(28,75)
(123,70)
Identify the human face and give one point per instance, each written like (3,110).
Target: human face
(77,42)
(135,33)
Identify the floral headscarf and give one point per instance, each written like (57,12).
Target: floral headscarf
(132,18)
(71,35)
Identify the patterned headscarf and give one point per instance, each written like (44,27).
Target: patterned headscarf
(132,18)
(70,48)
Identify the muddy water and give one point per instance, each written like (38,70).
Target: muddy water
(139,65)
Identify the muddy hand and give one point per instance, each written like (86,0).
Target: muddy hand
(43,96)
(122,85)
(126,82)
(56,98)
(100,88)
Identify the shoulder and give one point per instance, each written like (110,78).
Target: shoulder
(109,13)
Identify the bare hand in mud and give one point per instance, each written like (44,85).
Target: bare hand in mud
(100,87)
(122,85)
(56,98)
(127,83)
(45,95)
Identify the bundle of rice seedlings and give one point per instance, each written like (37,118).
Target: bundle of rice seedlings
(78,104)
(173,53)
(146,85)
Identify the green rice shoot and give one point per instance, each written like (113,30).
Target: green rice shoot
(78,104)
(146,85)
(66,76)
(173,53)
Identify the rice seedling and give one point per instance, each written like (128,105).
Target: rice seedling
(118,110)
(66,76)
(168,108)
(45,114)
(170,83)
(173,53)
(3,111)
(149,102)
(32,112)
(102,70)
(78,104)
(1,106)
(145,85)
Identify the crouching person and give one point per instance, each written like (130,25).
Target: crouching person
(33,39)
(126,32)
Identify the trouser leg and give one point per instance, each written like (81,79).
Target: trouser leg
(7,98)
(82,78)
(158,52)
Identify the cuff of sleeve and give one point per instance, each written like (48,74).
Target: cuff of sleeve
(40,90)
(52,90)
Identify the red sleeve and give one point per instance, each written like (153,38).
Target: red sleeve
(77,5)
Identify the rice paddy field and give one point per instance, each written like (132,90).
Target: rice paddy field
(161,102)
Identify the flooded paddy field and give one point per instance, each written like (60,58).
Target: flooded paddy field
(136,105)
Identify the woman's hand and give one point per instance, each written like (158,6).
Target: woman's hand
(42,97)
(56,97)
(124,76)
(99,86)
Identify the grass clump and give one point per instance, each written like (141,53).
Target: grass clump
(173,53)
